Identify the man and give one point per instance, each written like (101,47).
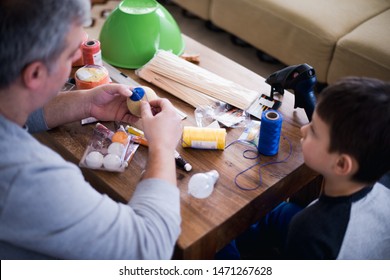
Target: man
(47,209)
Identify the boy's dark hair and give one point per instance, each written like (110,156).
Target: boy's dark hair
(357,111)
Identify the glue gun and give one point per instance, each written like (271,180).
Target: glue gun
(299,78)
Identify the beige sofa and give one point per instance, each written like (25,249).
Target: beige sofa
(337,37)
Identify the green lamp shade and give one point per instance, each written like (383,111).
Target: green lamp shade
(135,30)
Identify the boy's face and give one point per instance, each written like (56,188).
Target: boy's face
(315,146)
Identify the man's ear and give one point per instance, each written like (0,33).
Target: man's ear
(346,165)
(34,75)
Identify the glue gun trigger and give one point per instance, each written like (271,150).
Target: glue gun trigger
(276,88)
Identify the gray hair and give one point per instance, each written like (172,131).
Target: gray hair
(35,30)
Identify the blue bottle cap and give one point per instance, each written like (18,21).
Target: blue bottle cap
(138,94)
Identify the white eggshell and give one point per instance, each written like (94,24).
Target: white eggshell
(112,162)
(94,159)
(116,148)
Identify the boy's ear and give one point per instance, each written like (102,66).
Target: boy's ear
(34,75)
(345,165)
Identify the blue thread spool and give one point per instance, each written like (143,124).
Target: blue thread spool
(270,129)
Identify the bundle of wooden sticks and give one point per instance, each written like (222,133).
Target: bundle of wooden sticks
(193,84)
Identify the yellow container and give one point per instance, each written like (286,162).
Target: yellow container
(204,138)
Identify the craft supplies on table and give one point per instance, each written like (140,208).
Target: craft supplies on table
(122,78)
(108,150)
(139,137)
(193,84)
(270,130)
(92,55)
(201,185)
(204,138)
(140,93)
(91,76)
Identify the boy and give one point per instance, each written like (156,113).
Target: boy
(348,142)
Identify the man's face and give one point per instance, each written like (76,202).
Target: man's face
(60,72)
(315,145)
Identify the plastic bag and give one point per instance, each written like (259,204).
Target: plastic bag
(108,150)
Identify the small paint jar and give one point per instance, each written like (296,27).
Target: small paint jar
(91,76)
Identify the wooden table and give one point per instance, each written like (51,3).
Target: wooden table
(208,224)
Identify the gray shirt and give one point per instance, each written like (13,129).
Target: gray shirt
(48,210)
(349,227)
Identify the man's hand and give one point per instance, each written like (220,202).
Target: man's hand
(162,128)
(161,123)
(108,103)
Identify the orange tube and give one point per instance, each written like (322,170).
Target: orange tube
(141,140)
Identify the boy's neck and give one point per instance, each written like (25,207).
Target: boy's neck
(339,187)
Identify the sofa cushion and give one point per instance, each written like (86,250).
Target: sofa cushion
(365,51)
(197,7)
(300,31)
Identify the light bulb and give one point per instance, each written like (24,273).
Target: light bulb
(201,185)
